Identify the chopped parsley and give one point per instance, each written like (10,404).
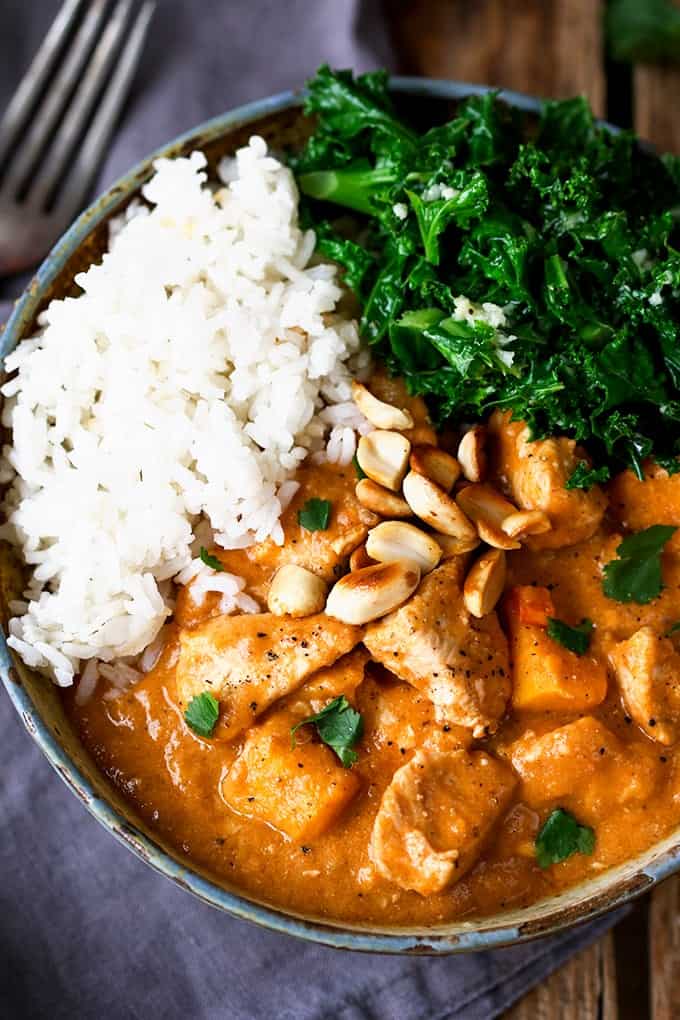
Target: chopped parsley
(315,514)
(576,639)
(338,725)
(560,837)
(360,473)
(635,575)
(202,714)
(210,560)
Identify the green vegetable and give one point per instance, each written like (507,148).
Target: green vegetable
(560,837)
(644,30)
(570,229)
(360,473)
(635,576)
(315,514)
(576,639)
(202,714)
(673,630)
(210,561)
(584,477)
(339,726)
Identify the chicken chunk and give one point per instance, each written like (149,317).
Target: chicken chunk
(583,767)
(647,669)
(433,643)
(299,791)
(533,475)
(436,815)
(639,504)
(398,717)
(248,662)
(546,676)
(343,677)
(324,552)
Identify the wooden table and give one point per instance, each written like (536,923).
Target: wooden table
(555,48)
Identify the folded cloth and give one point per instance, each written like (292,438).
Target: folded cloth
(87,930)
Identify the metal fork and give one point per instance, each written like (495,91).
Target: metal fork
(57,125)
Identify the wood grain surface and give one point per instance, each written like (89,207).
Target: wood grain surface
(549,48)
(555,48)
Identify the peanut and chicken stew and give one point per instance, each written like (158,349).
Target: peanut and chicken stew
(464,694)
(349,489)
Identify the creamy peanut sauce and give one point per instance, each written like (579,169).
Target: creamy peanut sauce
(630,794)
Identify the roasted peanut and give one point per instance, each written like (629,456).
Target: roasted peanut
(372,592)
(434,506)
(399,542)
(380,414)
(360,558)
(488,509)
(435,464)
(525,523)
(484,583)
(380,500)
(295,591)
(472,454)
(451,546)
(383,456)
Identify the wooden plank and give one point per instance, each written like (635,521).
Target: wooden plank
(545,47)
(585,987)
(655,92)
(664,950)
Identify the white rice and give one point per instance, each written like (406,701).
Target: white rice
(201,364)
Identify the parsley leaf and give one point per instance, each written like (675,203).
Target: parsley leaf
(339,726)
(315,514)
(202,714)
(584,477)
(576,639)
(635,576)
(360,473)
(210,561)
(673,629)
(560,837)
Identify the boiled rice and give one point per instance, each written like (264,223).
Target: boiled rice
(203,361)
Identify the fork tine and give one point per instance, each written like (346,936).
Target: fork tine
(90,153)
(36,76)
(61,88)
(73,126)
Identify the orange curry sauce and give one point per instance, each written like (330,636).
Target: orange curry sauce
(627,789)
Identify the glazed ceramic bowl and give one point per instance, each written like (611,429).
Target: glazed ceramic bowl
(280,121)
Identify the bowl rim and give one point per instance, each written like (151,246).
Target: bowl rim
(482,934)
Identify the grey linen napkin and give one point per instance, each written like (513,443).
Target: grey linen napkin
(87,930)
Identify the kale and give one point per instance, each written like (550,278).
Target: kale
(648,32)
(571,229)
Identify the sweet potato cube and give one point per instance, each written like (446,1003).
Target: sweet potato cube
(532,605)
(297,790)
(546,675)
